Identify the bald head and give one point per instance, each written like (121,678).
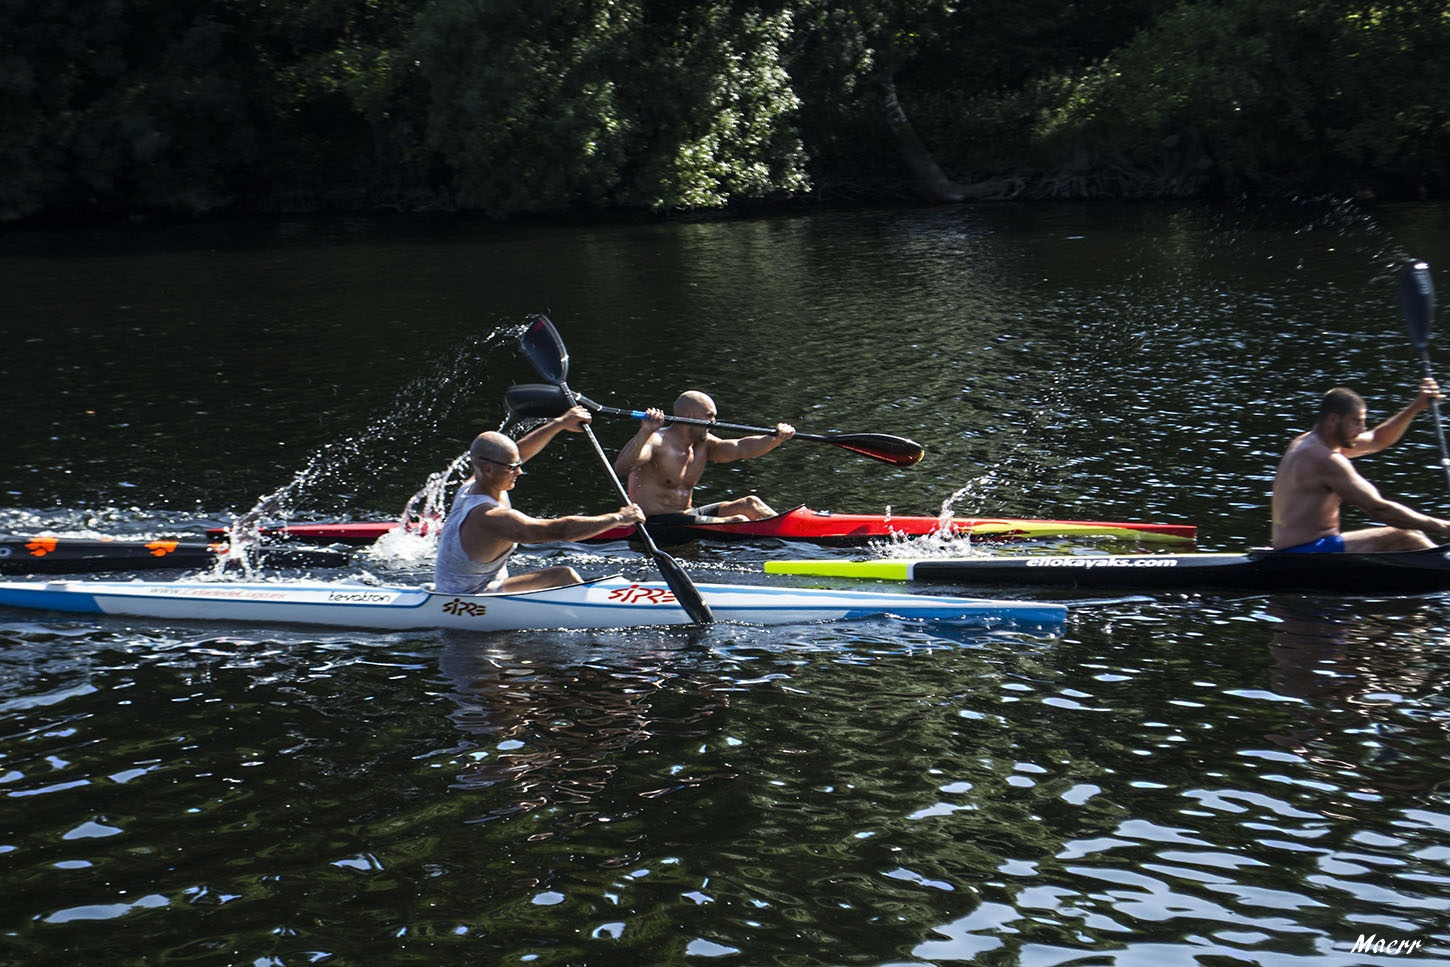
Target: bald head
(492,446)
(694,405)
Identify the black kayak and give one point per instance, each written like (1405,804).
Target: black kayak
(89,555)
(1408,572)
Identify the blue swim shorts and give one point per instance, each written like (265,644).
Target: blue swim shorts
(1333,544)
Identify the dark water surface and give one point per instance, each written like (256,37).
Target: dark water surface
(1177,779)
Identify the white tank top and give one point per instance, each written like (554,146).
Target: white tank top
(455,572)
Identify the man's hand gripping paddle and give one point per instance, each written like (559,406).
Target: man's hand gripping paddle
(540,342)
(536,399)
(1417,303)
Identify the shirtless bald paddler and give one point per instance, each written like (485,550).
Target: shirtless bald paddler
(664,462)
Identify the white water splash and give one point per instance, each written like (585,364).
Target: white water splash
(244,547)
(944,541)
(419,404)
(427,509)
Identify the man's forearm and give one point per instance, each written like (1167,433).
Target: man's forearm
(629,456)
(536,439)
(1390,431)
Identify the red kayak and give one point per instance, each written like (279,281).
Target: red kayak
(801,524)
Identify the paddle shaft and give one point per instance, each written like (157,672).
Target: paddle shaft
(613,477)
(544,348)
(878,446)
(684,589)
(1435,414)
(1417,303)
(641,414)
(549,401)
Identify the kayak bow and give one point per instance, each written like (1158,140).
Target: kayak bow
(1260,569)
(612,602)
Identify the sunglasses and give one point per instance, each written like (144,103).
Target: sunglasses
(514,467)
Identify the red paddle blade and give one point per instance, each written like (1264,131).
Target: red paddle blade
(895,450)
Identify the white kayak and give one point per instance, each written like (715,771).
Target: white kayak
(611,602)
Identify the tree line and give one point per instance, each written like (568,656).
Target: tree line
(187,107)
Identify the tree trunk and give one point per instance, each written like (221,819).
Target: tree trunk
(931,182)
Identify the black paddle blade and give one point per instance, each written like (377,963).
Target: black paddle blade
(894,450)
(684,589)
(1417,302)
(544,400)
(540,342)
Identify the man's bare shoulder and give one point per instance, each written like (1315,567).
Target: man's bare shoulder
(1307,448)
(714,444)
(485,517)
(1303,462)
(1310,460)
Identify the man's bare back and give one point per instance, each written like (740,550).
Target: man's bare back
(1305,507)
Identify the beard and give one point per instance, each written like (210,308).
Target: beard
(1345,434)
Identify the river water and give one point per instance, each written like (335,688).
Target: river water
(1176,779)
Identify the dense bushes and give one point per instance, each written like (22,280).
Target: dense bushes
(511,106)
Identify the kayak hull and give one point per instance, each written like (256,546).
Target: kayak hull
(804,524)
(1410,572)
(606,603)
(84,555)
(827,528)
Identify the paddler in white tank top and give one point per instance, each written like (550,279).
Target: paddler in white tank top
(483,528)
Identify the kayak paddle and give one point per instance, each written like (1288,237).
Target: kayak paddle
(536,399)
(1417,303)
(540,342)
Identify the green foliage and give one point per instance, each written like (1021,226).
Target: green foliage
(592,103)
(520,105)
(106,119)
(969,74)
(338,102)
(1296,94)
(179,106)
(1388,112)
(192,106)
(30,160)
(731,136)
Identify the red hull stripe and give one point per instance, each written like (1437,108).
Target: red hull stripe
(804,524)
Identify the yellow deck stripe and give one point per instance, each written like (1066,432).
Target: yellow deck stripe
(1074,530)
(878,570)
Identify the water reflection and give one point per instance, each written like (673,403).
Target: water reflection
(547,727)
(1359,667)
